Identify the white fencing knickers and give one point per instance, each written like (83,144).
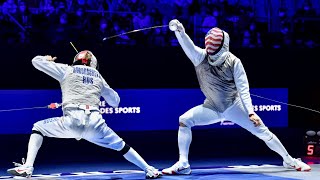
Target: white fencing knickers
(200,115)
(79,124)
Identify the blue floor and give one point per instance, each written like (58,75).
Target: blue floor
(204,169)
(214,154)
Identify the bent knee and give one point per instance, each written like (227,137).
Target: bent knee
(118,146)
(36,127)
(185,122)
(125,149)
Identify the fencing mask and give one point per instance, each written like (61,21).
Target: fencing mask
(86,58)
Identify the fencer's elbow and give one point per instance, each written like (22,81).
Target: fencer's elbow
(36,60)
(114,103)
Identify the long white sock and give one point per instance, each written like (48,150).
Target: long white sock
(184,141)
(133,157)
(34,145)
(275,145)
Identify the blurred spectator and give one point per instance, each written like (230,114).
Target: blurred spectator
(180,6)
(61,32)
(156,16)
(173,42)
(47,16)
(225,8)
(184,10)
(261,10)
(24,18)
(283,16)
(198,19)
(142,20)
(282,13)
(71,6)
(192,7)
(282,39)
(160,36)
(233,21)
(210,19)
(157,38)
(252,37)
(304,19)
(9,6)
(247,40)
(310,42)
(306,10)
(136,5)
(246,15)
(123,39)
(46,7)
(100,5)
(286,35)
(256,34)
(61,7)
(103,31)
(23,15)
(165,32)
(198,16)
(307,40)
(118,6)
(81,2)
(80,20)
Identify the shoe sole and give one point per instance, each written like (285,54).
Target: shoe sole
(174,174)
(148,177)
(297,169)
(15,173)
(306,170)
(188,172)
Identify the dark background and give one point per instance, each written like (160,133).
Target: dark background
(277,41)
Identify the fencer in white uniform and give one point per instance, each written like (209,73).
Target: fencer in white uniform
(82,86)
(224,83)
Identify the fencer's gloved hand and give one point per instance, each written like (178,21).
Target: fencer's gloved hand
(175,25)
